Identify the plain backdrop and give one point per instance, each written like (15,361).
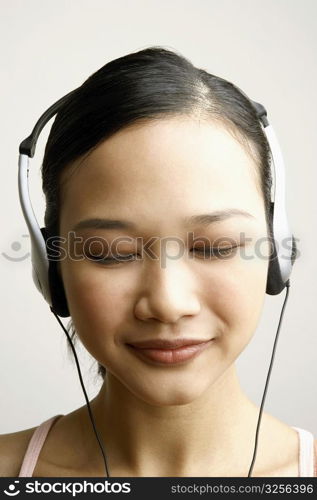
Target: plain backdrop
(47,49)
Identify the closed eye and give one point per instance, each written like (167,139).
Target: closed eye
(116,259)
(206,252)
(217,252)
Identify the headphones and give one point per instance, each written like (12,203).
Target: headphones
(44,270)
(48,280)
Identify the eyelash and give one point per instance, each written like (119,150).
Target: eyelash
(126,258)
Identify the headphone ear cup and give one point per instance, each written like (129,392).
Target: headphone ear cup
(275,283)
(295,252)
(59,301)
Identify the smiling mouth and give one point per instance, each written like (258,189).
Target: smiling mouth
(169,356)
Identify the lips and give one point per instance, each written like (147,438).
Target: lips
(166,343)
(173,352)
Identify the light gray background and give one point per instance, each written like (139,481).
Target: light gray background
(48,48)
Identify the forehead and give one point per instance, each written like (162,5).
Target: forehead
(164,168)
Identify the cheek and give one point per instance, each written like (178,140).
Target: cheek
(236,294)
(99,306)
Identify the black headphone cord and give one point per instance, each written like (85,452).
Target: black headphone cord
(85,394)
(262,402)
(287,284)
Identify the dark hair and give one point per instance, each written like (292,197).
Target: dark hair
(149,84)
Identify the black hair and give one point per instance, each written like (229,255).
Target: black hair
(153,83)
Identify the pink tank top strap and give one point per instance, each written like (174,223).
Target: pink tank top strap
(34,447)
(307,458)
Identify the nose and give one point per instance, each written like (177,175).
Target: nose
(167,294)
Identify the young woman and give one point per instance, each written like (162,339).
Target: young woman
(162,172)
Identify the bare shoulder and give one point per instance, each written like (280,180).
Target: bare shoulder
(280,444)
(59,442)
(12,449)
(281,447)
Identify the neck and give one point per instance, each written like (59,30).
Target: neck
(211,436)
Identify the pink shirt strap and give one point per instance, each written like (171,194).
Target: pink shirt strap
(34,447)
(307,467)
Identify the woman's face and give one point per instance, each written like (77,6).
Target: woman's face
(157,175)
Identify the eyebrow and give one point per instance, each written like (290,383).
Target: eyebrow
(202,219)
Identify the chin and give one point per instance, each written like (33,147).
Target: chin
(167,388)
(169,395)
